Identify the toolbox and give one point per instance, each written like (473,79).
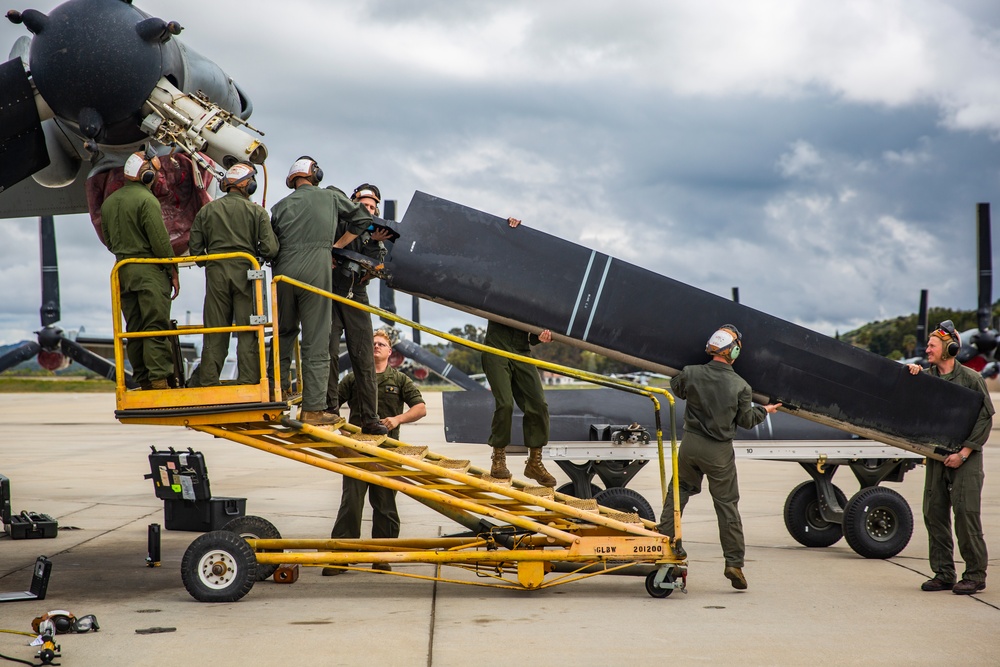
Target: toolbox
(180,480)
(26,524)
(31,524)
(4,500)
(179,475)
(202,515)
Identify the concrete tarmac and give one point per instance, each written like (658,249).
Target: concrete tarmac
(67,456)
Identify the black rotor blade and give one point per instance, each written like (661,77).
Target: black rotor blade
(438,365)
(50,270)
(922,319)
(386,295)
(415,316)
(23,352)
(985,251)
(88,359)
(22,142)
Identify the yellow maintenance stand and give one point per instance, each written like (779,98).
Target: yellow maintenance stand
(518,535)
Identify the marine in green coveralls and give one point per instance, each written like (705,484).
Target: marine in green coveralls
(956,484)
(307,225)
(395,390)
(718,400)
(356,324)
(231,223)
(515,382)
(132,226)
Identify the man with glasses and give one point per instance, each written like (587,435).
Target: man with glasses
(394,390)
(956,483)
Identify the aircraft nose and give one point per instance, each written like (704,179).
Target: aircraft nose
(101,58)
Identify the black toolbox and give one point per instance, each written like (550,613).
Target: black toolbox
(202,515)
(31,524)
(179,475)
(26,524)
(4,501)
(180,480)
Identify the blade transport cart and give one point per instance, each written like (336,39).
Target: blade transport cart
(518,536)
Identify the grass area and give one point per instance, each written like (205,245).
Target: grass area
(11,384)
(75,385)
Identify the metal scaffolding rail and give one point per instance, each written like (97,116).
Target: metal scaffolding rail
(518,536)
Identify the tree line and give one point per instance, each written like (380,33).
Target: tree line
(897,338)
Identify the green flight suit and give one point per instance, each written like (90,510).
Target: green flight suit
(394,389)
(718,400)
(514,382)
(355,324)
(959,490)
(305,224)
(132,226)
(231,223)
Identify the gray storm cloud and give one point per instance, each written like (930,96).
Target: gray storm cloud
(826,158)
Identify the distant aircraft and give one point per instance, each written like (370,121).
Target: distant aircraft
(979,345)
(99,80)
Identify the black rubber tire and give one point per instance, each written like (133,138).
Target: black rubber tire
(219,567)
(625,500)
(803,520)
(659,592)
(256,528)
(569,488)
(878,522)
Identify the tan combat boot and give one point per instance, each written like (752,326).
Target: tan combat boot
(534,469)
(159,384)
(319,418)
(498,470)
(735,576)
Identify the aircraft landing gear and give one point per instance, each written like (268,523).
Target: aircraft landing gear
(626,500)
(878,522)
(804,516)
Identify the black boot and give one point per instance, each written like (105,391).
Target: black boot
(374,428)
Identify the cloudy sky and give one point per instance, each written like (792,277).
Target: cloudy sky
(824,157)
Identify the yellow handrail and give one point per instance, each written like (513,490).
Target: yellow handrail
(594,378)
(586,376)
(186,330)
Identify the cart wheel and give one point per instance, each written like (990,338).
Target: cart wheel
(219,567)
(625,500)
(878,522)
(803,520)
(655,591)
(570,489)
(256,528)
